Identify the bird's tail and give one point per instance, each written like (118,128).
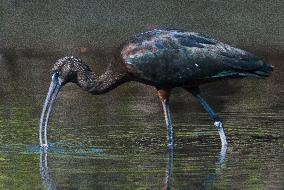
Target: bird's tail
(263,71)
(247,68)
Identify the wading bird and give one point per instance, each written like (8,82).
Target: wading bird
(165,59)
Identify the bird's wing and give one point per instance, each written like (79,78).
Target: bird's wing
(230,61)
(190,56)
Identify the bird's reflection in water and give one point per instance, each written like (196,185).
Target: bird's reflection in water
(209,179)
(49,182)
(169,169)
(44,170)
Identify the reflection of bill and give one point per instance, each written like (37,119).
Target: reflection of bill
(44,171)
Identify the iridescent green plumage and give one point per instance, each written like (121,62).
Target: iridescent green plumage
(176,58)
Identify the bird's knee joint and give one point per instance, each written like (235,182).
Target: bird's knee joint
(163,95)
(218,124)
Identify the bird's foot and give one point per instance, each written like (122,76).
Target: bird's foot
(219,126)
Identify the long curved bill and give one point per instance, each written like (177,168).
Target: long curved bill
(54,88)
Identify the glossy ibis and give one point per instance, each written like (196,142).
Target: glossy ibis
(165,59)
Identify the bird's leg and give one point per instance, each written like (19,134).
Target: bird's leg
(44,170)
(217,121)
(164,97)
(169,170)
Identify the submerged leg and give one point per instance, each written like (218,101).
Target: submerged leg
(45,172)
(164,97)
(217,121)
(169,170)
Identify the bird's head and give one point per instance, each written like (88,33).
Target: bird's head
(65,70)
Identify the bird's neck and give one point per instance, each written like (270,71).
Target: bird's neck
(109,80)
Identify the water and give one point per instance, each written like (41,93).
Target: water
(118,140)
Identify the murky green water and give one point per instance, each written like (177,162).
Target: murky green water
(118,140)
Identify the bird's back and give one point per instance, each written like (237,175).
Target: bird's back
(173,57)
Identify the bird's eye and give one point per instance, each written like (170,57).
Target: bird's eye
(56,72)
